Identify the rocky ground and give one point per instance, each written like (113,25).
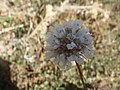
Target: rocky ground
(23,25)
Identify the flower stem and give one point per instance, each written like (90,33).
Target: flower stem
(80,73)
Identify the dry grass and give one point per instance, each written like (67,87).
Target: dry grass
(23,27)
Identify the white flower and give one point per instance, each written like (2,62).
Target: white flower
(67,43)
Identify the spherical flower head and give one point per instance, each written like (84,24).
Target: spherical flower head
(69,42)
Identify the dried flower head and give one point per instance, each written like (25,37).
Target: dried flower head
(68,42)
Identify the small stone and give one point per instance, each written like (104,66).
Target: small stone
(101,69)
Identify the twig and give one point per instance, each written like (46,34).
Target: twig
(10,28)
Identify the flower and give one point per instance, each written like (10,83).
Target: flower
(67,43)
